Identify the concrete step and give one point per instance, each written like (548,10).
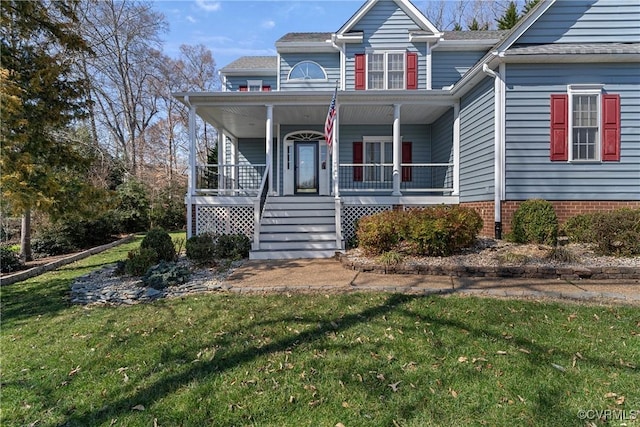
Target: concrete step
(292,254)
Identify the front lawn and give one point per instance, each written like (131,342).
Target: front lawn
(318,360)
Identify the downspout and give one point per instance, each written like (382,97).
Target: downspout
(498,148)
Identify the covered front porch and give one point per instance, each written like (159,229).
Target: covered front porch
(390,149)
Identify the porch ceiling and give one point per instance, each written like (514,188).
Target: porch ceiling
(243,115)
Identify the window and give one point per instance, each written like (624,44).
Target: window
(307,70)
(585,125)
(378,160)
(385,70)
(254,86)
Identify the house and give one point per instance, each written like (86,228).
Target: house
(485,119)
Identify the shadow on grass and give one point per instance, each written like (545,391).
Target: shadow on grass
(549,406)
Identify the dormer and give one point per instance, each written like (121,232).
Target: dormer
(250,74)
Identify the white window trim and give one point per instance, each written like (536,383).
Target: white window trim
(254,83)
(593,89)
(324,72)
(386,54)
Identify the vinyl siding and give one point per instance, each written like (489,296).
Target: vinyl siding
(442,148)
(448,67)
(234,83)
(477,143)
(529,171)
(386,27)
(329,61)
(586,21)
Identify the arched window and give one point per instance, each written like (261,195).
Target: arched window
(307,70)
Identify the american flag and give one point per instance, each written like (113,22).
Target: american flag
(331,116)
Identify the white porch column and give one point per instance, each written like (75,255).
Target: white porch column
(221,145)
(191,185)
(335,154)
(397,151)
(269,144)
(234,162)
(456,149)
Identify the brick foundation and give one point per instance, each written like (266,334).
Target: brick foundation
(564,209)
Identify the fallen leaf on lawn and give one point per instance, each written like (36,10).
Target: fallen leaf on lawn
(138,408)
(314,403)
(558,367)
(578,355)
(463,359)
(394,386)
(453,393)
(620,400)
(345,404)
(292,399)
(595,316)
(501,353)
(479,359)
(126,378)
(380,377)
(571,317)
(74,371)
(339,425)
(610,395)
(155,422)
(521,398)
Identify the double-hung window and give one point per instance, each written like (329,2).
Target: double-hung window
(378,159)
(585,125)
(385,70)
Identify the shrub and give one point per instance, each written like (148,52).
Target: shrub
(52,241)
(580,228)
(139,261)
(535,221)
(391,258)
(9,260)
(165,274)
(378,233)
(132,211)
(201,249)
(71,234)
(160,241)
(437,231)
(618,232)
(168,213)
(232,246)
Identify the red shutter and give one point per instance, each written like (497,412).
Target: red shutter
(610,128)
(360,71)
(406,158)
(412,70)
(266,88)
(244,89)
(559,127)
(358,158)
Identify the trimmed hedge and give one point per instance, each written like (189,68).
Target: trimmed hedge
(613,233)
(435,231)
(535,221)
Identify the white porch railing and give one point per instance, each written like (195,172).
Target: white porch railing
(258,206)
(229,180)
(415,177)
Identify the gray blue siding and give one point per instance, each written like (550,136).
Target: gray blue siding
(587,21)
(442,149)
(477,143)
(529,171)
(329,61)
(448,66)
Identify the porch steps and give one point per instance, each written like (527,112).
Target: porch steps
(297,227)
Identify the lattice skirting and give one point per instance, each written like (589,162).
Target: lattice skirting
(352,213)
(225,220)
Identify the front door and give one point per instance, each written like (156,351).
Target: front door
(306,167)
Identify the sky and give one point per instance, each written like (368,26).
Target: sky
(235,28)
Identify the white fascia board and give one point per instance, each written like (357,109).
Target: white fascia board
(424,37)
(349,38)
(408,7)
(523,25)
(251,72)
(571,58)
(303,47)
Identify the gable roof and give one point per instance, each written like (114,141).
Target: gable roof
(246,65)
(304,37)
(408,8)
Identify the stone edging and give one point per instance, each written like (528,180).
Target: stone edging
(526,271)
(35,271)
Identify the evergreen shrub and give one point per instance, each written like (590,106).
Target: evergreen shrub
(160,241)
(535,221)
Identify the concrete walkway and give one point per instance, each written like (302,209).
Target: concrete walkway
(328,275)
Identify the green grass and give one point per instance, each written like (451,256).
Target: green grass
(317,360)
